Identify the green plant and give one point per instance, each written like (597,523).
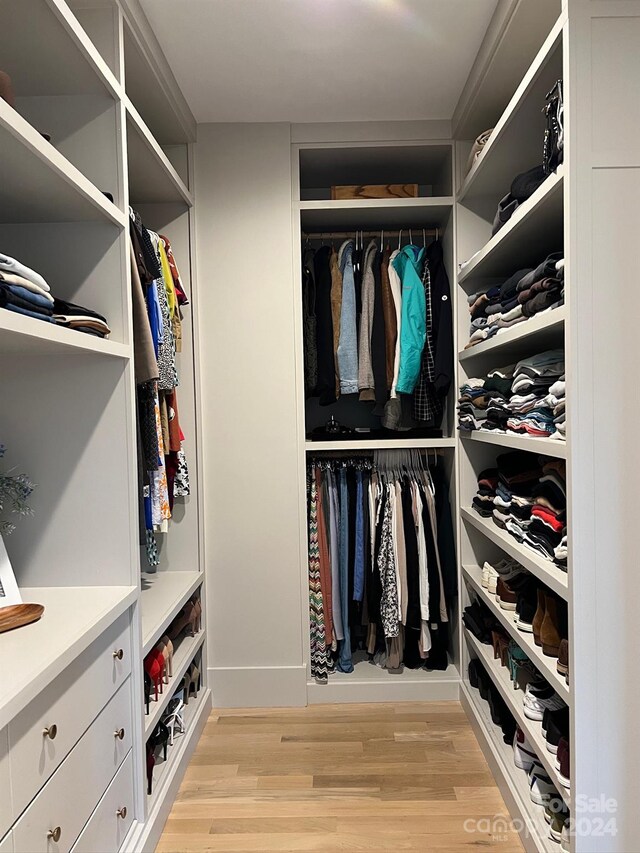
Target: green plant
(15,490)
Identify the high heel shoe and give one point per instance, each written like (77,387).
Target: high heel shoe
(185,619)
(147,690)
(174,717)
(153,668)
(151,762)
(165,647)
(194,679)
(198,607)
(159,737)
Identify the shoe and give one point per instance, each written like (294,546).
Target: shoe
(153,666)
(563,762)
(194,680)
(489,577)
(539,697)
(556,826)
(159,737)
(563,660)
(186,619)
(555,727)
(174,717)
(516,658)
(198,607)
(151,761)
(541,788)
(526,607)
(551,632)
(538,618)
(166,648)
(508,568)
(505,596)
(500,642)
(475,668)
(147,691)
(565,836)
(524,755)
(478,621)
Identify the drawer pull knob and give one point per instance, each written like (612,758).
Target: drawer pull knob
(122,812)
(119,733)
(54,834)
(50,732)
(119,654)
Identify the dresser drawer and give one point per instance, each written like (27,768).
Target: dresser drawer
(6,810)
(6,845)
(112,819)
(65,710)
(68,799)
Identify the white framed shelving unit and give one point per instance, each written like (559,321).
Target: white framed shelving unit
(118,125)
(536,228)
(315,168)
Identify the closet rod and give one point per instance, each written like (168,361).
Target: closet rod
(320,235)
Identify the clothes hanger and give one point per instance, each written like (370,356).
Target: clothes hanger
(399,239)
(424,238)
(410,237)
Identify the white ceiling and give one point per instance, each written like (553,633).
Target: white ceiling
(320,60)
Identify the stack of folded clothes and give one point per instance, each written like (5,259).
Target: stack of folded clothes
(525,398)
(24,291)
(526,496)
(525,293)
(82,319)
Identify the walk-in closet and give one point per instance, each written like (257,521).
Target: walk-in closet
(317,450)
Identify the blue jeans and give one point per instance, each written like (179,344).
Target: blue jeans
(358,574)
(344,650)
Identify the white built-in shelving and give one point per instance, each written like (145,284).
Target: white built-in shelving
(184,653)
(545,570)
(544,663)
(540,332)
(513,441)
(379,444)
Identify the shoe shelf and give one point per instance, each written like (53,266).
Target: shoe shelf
(532,728)
(531,443)
(163,596)
(379,444)
(325,215)
(165,771)
(541,332)
(538,222)
(544,570)
(23,335)
(73,618)
(152,177)
(515,787)
(183,655)
(39,184)
(514,145)
(546,665)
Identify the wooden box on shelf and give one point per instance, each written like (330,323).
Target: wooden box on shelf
(374,191)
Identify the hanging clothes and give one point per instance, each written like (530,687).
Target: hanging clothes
(382,565)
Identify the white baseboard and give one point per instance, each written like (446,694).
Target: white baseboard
(369,683)
(258,687)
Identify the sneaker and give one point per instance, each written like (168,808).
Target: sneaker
(526,607)
(563,763)
(555,806)
(533,709)
(524,755)
(555,828)
(545,696)
(555,727)
(505,596)
(541,788)
(565,836)
(489,577)
(562,664)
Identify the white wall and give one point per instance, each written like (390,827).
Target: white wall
(249,440)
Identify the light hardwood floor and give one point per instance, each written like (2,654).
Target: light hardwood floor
(330,778)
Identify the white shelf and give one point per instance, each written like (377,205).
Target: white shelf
(379,444)
(546,665)
(68,62)
(163,595)
(182,657)
(535,224)
(375,213)
(73,618)
(540,332)
(516,142)
(152,177)
(38,184)
(532,728)
(543,569)
(531,443)
(24,335)
(371,683)
(513,782)
(165,770)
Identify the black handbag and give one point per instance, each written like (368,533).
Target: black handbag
(553,149)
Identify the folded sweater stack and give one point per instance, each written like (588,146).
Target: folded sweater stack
(24,291)
(526,496)
(525,293)
(527,398)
